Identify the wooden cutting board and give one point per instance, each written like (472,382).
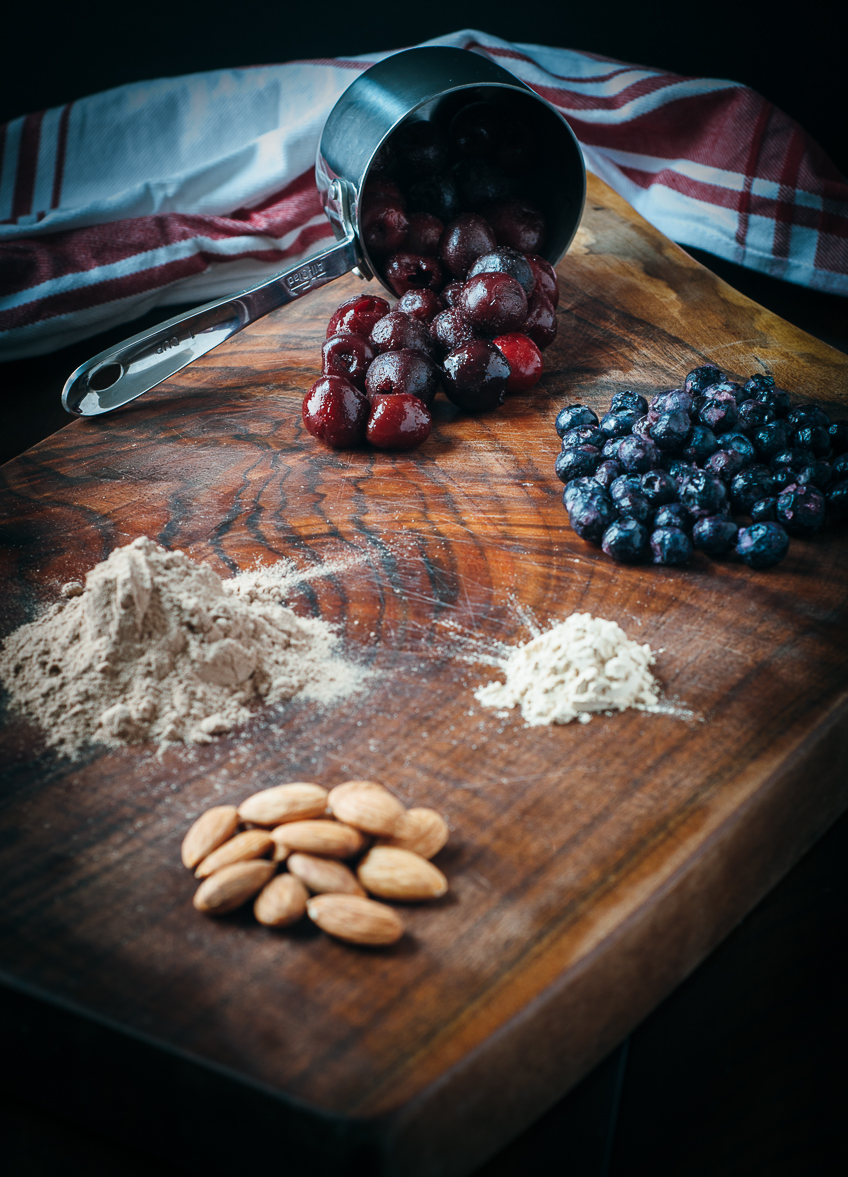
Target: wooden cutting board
(591,867)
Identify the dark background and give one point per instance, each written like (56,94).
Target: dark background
(741,1071)
(793,55)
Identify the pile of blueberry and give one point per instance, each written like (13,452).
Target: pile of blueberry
(657,481)
(381,368)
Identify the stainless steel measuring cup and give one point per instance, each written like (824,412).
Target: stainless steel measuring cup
(417,83)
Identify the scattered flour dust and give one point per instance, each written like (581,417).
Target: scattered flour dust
(581,665)
(158,648)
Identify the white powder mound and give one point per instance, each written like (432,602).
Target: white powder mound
(158,648)
(582,665)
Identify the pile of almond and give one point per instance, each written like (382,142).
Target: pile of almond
(237,852)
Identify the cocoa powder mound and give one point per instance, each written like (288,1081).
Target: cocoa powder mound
(157,648)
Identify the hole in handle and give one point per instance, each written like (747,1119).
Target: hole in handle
(102,378)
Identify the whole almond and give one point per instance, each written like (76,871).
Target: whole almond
(367,806)
(281,902)
(423,831)
(324,874)
(232,885)
(247,844)
(357,920)
(330,838)
(392,873)
(281,803)
(211,829)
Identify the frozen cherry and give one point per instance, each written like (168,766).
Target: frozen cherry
(452,294)
(518,148)
(395,372)
(479,183)
(384,225)
(396,331)
(379,185)
(524,359)
(506,261)
(462,243)
(399,422)
(518,223)
(476,129)
(436,195)
(495,303)
(357,315)
(423,305)
(407,271)
(546,279)
(476,376)
(450,330)
(347,356)
(541,324)
(421,148)
(335,412)
(423,234)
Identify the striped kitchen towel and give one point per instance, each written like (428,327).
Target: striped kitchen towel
(186,189)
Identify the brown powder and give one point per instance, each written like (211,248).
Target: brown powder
(158,648)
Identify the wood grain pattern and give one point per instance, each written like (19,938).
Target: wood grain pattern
(591,868)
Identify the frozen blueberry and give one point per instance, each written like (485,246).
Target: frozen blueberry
(607,472)
(741,445)
(573,416)
(808,414)
(819,474)
(736,390)
(638,454)
(837,500)
(631,400)
(752,414)
(630,502)
(574,489)
(577,461)
(679,469)
(801,509)
(698,444)
(612,447)
(762,545)
(840,468)
(675,400)
(749,486)
(583,435)
(642,428)
(771,439)
(626,540)
(701,493)
(812,437)
(718,411)
(670,545)
(714,534)
(726,464)
(775,398)
(765,510)
(659,487)
(839,436)
(701,378)
(618,422)
(792,458)
(591,513)
(757,382)
(673,515)
(670,429)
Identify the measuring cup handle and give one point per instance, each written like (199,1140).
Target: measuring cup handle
(120,374)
